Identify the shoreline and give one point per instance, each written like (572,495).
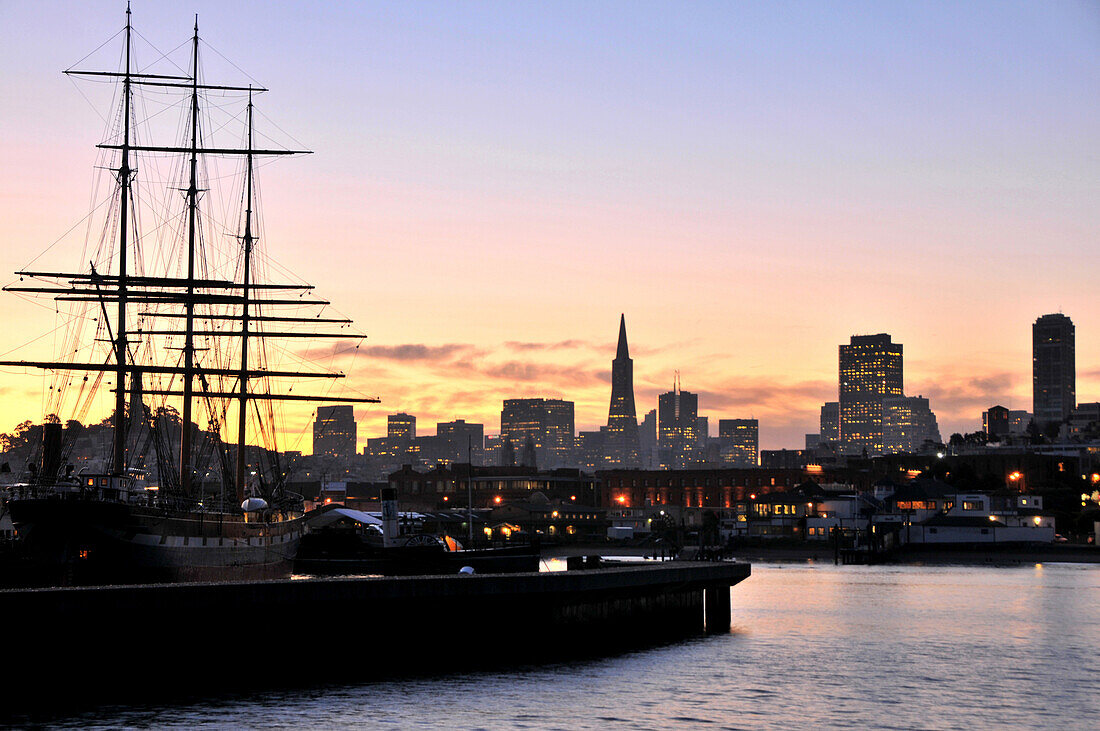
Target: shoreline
(968,555)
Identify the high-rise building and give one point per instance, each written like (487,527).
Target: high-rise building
(678,442)
(621,445)
(995,421)
(870,370)
(464,442)
(334,432)
(907,423)
(548,423)
(1053,369)
(739,442)
(1018,421)
(590,448)
(830,422)
(401,426)
(647,438)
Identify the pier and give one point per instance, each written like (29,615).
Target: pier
(139,638)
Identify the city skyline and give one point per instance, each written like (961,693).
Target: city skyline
(533,167)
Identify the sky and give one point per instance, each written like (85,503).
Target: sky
(492,184)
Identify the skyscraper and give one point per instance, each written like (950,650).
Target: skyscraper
(464,441)
(621,445)
(647,438)
(334,432)
(739,442)
(830,422)
(401,426)
(1053,369)
(548,423)
(907,423)
(678,426)
(870,370)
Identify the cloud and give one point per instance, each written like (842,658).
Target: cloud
(755,394)
(551,376)
(560,345)
(955,396)
(418,352)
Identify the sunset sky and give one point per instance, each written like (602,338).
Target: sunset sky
(750,183)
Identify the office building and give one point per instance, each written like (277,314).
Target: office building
(1053,369)
(334,432)
(739,442)
(678,439)
(870,370)
(621,444)
(995,422)
(401,426)
(461,441)
(907,423)
(647,438)
(546,423)
(829,427)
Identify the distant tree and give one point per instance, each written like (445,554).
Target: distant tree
(18,438)
(976,439)
(956,440)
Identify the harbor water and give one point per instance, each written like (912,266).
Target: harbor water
(812,645)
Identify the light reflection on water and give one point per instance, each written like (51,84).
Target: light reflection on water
(811,646)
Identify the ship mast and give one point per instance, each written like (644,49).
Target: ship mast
(242,416)
(153,293)
(189,302)
(118,462)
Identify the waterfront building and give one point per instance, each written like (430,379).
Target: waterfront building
(1054,377)
(907,423)
(621,444)
(739,442)
(334,432)
(784,459)
(546,423)
(678,439)
(870,370)
(829,426)
(692,488)
(445,486)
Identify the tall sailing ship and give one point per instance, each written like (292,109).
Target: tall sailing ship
(185,322)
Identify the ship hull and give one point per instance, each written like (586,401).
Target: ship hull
(88,542)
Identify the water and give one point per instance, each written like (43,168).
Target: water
(939,647)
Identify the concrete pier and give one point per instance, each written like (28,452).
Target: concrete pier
(216,635)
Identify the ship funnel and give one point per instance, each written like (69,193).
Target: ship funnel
(390,530)
(51,452)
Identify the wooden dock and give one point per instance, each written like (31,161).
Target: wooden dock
(196,636)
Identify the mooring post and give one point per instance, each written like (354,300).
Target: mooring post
(716,605)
